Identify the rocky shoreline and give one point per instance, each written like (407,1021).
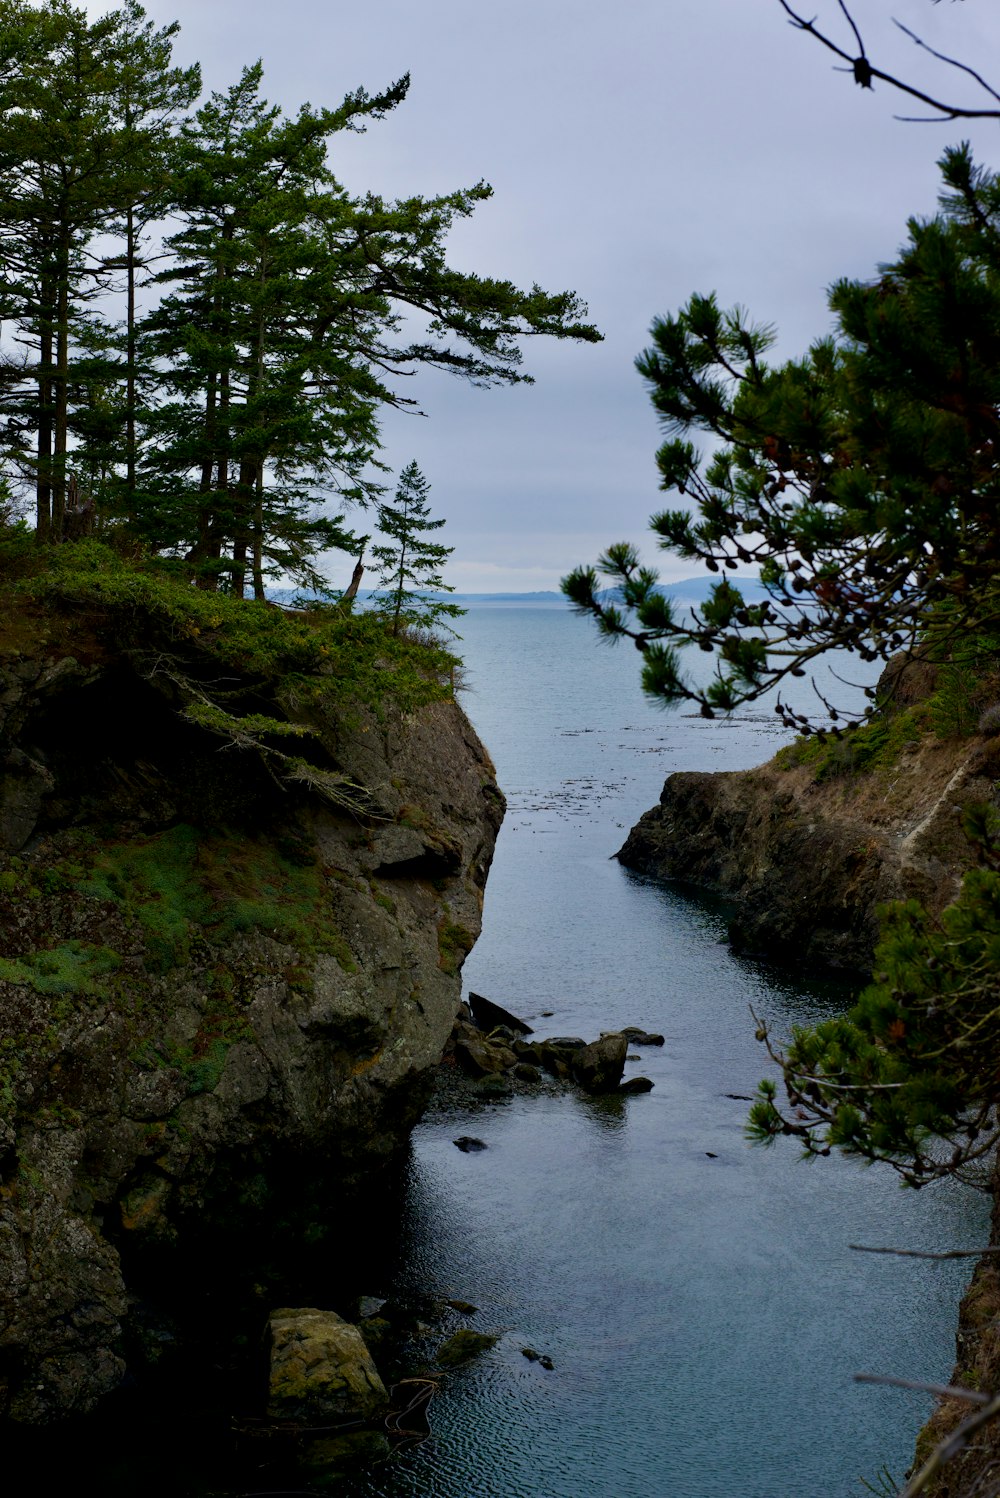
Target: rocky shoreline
(808,862)
(805,860)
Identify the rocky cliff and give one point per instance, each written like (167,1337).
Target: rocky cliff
(222,987)
(807,858)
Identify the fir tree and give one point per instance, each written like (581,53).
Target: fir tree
(411,562)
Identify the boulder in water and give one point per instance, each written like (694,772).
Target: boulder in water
(635,1036)
(488,1015)
(321,1369)
(598,1067)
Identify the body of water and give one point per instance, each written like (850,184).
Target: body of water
(698,1298)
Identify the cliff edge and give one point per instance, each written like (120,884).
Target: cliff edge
(808,851)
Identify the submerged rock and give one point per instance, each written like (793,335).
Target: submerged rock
(465,1344)
(321,1370)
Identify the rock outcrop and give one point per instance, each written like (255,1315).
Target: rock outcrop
(221,996)
(806,862)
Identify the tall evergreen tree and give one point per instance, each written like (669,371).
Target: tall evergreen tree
(242,412)
(408,562)
(82,110)
(280,344)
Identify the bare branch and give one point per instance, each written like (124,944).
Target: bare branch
(942,1391)
(952,62)
(865,71)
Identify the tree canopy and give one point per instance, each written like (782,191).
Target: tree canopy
(861,480)
(229,410)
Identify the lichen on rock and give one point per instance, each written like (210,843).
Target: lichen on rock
(321,1369)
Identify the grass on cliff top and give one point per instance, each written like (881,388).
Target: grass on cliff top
(963,691)
(148,602)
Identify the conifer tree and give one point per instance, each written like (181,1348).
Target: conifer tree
(281,343)
(82,109)
(862,480)
(409,563)
(234,423)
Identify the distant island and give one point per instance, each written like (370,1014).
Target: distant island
(691,590)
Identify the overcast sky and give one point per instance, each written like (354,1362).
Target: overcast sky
(639,151)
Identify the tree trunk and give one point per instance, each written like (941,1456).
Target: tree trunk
(43,472)
(61,423)
(130,455)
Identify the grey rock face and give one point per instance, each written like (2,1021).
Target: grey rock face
(598,1067)
(807,865)
(221,1000)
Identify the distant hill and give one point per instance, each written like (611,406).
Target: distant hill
(690,590)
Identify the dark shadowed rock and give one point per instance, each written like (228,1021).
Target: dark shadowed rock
(598,1067)
(488,1015)
(636,1085)
(254,985)
(635,1036)
(468,1145)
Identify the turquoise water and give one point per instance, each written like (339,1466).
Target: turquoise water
(705,1315)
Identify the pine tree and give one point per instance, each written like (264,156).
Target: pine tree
(410,564)
(237,420)
(863,480)
(280,344)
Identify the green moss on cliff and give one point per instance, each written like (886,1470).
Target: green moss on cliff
(874,746)
(321,653)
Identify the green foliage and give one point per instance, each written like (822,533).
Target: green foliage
(187,884)
(455,943)
(71,967)
(231,424)
(409,562)
(860,480)
(872,746)
(908,1076)
(322,656)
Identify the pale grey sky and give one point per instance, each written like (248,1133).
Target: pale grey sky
(639,151)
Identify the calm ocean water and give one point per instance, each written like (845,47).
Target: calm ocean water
(697,1297)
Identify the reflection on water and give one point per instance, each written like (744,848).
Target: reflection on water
(698,1298)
